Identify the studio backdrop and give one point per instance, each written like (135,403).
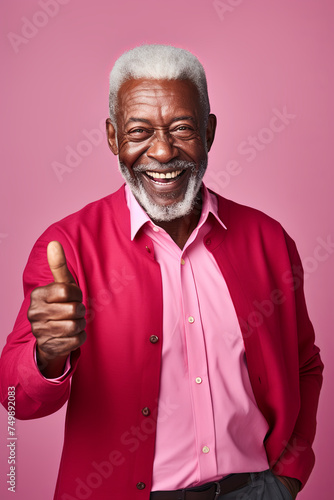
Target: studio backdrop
(270,77)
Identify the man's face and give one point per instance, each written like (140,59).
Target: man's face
(162,144)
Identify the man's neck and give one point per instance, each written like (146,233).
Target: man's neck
(180,229)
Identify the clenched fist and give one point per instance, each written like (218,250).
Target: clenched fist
(56,314)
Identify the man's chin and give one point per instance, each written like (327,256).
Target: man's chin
(166,212)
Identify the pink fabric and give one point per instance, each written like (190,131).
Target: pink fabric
(204,374)
(114,383)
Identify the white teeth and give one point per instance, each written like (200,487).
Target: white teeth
(168,175)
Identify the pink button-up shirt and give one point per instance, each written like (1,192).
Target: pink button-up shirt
(208,423)
(120,363)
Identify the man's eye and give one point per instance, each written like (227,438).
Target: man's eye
(137,130)
(183,131)
(138,133)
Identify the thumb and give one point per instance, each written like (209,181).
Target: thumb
(57,263)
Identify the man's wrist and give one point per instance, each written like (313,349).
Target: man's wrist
(50,368)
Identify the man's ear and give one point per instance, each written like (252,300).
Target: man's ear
(211,130)
(111,136)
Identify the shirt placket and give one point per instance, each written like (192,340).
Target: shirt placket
(199,384)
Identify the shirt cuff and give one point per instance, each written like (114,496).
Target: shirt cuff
(63,376)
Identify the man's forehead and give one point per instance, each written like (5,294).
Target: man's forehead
(138,93)
(159,84)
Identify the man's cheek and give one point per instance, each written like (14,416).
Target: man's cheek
(132,150)
(192,150)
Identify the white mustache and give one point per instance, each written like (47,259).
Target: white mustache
(160,167)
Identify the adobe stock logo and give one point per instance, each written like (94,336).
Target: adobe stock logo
(74,155)
(225,7)
(258,142)
(30,27)
(130,440)
(249,149)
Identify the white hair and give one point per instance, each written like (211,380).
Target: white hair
(157,62)
(174,210)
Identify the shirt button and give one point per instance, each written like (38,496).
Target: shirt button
(156,229)
(191,319)
(148,249)
(146,411)
(182,262)
(208,241)
(140,485)
(205,449)
(198,380)
(154,339)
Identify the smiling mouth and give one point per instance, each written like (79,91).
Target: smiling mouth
(165,177)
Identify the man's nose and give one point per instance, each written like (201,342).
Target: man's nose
(162,148)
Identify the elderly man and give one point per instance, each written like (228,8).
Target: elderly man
(192,373)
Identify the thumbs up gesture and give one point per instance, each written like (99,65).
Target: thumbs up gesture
(56,314)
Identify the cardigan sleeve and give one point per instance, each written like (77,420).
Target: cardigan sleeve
(297,459)
(35,396)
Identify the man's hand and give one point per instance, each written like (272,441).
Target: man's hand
(292,484)
(56,314)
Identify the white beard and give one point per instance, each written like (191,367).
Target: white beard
(174,210)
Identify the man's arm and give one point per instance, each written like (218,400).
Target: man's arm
(57,315)
(56,328)
(297,459)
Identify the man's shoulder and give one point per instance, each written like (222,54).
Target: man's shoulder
(89,228)
(234,213)
(250,228)
(91,215)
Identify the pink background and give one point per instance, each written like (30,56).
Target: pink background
(259,56)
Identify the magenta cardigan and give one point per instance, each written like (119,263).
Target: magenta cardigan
(113,387)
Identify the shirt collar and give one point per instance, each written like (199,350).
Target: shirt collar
(138,216)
